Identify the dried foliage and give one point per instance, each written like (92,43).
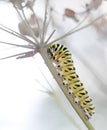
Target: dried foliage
(71,14)
(94,4)
(35,24)
(101,26)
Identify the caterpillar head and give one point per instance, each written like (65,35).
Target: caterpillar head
(49,53)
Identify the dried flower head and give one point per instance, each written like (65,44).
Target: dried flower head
(101,26)
(94,4)
(35,24)
(71,14)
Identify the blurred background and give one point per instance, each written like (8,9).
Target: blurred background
(26,85)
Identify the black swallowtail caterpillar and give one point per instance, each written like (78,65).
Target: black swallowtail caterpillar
(63,62)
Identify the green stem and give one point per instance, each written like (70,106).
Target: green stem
(52,69)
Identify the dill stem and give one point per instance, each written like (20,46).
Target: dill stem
(76,29)
(43,53)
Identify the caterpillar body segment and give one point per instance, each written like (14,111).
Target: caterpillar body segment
(61,49)
(67,68)
(66,54)
(81,94)
(68,79)
(65,62)
(75,90)
(85,101)
(89,110)
(62,60)
(65,72)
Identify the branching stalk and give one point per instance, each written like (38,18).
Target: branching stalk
(26,23)
(14,33)
(79,29)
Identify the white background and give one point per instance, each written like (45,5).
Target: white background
(22,105)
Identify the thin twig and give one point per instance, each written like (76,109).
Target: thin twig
(81,22)
(44,23)
(12,44)
(8,30)
(37,22)
(50,36)
(79,29)
(20,55)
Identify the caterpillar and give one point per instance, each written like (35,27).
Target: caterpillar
(62,60)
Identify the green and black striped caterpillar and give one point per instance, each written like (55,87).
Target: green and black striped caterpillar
(61,57)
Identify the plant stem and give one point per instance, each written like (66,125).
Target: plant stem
(52,69)
(77,30)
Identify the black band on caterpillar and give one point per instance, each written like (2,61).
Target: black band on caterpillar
(61,57)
